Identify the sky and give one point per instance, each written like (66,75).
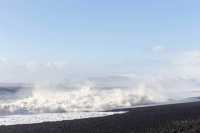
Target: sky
(76,37)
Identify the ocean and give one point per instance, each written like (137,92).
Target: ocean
(35,103)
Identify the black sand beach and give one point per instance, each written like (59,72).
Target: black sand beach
(183,118)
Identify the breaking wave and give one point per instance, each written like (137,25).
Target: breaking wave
(95,94)
(85,98)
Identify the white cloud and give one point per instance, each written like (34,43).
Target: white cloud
(158,48)
(32,71)
(187,64)
(3,60)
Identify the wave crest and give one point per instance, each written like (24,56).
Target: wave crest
(86,98)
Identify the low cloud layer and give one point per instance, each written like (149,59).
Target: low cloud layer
(182,65)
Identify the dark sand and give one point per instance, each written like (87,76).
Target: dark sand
(136,120)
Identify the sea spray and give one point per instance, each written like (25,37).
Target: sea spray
(85,98)
(95,94)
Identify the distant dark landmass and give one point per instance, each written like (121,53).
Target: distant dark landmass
(175,118)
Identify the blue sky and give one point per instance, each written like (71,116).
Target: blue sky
(115,32)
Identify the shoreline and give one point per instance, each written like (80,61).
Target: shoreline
(135,120)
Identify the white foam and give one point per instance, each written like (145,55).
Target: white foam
(84,99)
(39,118)
(94,96)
